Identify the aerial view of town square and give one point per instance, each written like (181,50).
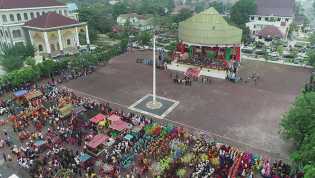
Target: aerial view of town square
(157,89)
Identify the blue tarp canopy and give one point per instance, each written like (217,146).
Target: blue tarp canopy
(84,157)
(20,93)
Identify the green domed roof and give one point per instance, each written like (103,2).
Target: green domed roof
(209,28)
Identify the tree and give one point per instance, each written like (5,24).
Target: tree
(219,6)
(200,6)
(119,8)
(241,10)
(144,38)
(30,61)
(183,15)
(298,124)
(13,57)
(311,58)
(312,39)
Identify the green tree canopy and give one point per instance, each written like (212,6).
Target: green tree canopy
(298,124)
(183,15)
(13,57)
(144,38)
(311,57)
(241,10)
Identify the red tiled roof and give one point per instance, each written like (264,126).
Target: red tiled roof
(270,31)
(50,20)
(12,4)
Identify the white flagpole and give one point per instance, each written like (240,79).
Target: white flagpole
(154,74)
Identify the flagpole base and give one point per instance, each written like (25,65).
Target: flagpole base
(154,105)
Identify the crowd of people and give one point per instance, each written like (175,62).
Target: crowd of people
(51,143)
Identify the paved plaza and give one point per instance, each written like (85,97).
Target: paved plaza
(243,114)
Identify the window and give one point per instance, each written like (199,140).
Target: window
(37,14)
(1,33)
(65,12)
(252,17)
(16,33)
(266,19)
(259,18)
(40,48)
(254,26)
(60,12)
(11,17)
(19,18)
(279,19)
(4,18)
(32,15)
(287,19)
(68,42)
(25,16)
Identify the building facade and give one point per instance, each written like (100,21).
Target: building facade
(271,14)
(48,25)
(139,22)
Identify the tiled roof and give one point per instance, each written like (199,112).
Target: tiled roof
(283,8)
(50,20)
(270,31)
(13,4)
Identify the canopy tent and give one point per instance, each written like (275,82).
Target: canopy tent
(84,157)
(79,109)
(20,93)
(97,140)
(128,137)
(98,118)
(33,94)
(66,110)
(114,118)
(119,125)
(208,28)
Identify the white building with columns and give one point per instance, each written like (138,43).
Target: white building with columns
(47,24)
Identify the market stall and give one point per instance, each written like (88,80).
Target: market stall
(65,110)
(98,118)
(97,145)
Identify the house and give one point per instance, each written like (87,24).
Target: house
(140,22)
(47,24)
(272,19)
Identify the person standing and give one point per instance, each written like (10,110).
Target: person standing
(4,157)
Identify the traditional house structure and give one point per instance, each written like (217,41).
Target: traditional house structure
(209,40)
(47,24)
(271,15)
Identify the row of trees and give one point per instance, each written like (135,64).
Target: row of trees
(48,68)
(298,125)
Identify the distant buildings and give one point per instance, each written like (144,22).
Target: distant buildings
(50,26)
(272,19)
(139,22)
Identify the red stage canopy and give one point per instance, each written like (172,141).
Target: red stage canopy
(96,119)
(97,140)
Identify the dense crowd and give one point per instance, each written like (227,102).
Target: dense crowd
(55,136)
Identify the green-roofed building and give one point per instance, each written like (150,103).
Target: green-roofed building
(208,34)
(209,28)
